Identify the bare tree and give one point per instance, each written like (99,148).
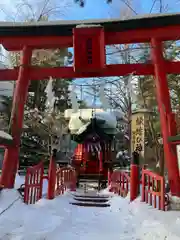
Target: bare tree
(34,10)
(116,88)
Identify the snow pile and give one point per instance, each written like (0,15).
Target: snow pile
(81,119)
(19,181)
(88,26)
(57,219)
(174,203)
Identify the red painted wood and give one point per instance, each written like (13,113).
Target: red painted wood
(82,158)
(143,35)
(51,178)
(65,179)
(110,70)
(150,181)
(33,184)
(89,49)
(120,182)
(36,42)
(11,158)
(134,182)
(168,127)
(132,36)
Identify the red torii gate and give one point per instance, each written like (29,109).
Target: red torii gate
(90,61)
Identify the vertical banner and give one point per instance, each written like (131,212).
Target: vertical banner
(137,133)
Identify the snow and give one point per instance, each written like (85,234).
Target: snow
(19,181)
(77,126)
(58,219)
(5,135)
(55,219)
(88,26)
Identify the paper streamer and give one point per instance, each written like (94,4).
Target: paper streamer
(73,98)
(50,94)
(103,99)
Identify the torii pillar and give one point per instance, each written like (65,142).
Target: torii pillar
(168,127)
(11,157)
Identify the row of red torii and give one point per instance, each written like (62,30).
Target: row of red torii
(89,43)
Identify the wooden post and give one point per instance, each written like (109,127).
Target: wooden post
(52,178)
(11,157)
(134,177)
(164,105)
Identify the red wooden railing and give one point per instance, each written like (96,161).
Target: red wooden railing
(120,183)
(65,179)
(33,184)
(153,189)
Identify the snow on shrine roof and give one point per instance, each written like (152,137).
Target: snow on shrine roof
(64,28)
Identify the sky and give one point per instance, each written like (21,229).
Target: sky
(93,8)
(99,8)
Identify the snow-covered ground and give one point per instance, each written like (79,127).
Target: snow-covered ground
(57,219)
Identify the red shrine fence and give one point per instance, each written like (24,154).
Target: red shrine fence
(33,184)
(153,190)
(33,188)
(151,186)
(65,179)
(120,183)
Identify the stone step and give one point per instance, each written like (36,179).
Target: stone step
(88,181)
(91,196)
(90,204)
(90,200)
(95,200)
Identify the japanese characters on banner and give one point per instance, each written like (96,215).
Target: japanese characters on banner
(137,132)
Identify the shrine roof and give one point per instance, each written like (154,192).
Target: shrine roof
(64,28)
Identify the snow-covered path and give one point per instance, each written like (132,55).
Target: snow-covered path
(57,219)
